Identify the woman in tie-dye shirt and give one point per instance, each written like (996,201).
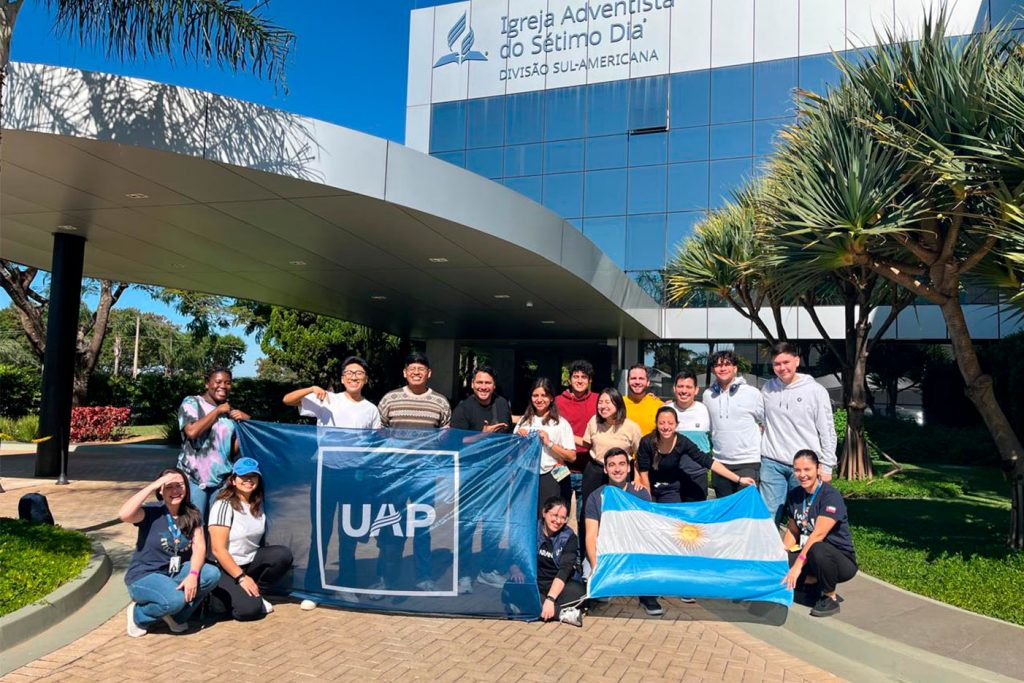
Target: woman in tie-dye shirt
(207,429)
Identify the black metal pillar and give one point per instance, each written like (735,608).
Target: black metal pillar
(59,360)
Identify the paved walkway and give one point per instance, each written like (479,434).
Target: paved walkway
(619,643)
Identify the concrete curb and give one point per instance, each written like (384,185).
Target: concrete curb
(33,619)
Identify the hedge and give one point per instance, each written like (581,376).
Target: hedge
(19,391)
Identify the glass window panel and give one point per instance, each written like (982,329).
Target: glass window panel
(818,71)
(525,122)
(690,99)
(576,223)
(606,152)
(565,113)
(447,126)
(609,234)
(487,162)
(486,122)
(529,186)
(725,177)
(732,140)
(680,226)
(773,88)
(647,189)
(645,242)
(765,133)
(605,193)
(607,108)
(688,186)
(562,156)
(649,148)
(648,102)
(732,94)
(563,194)
(457,158)
(524,160)
(689,144)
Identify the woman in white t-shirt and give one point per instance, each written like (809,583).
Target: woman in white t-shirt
(558,443)
(237,526)
(347,410)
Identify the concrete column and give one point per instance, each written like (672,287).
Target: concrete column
(59,359)
(443,355)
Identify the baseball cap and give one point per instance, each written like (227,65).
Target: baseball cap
(245,466)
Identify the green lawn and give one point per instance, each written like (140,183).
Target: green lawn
(949,546)
(131,431)
(36,559)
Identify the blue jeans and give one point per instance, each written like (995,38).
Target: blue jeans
(576,485)
(203,498)
(156,595)
(776,482)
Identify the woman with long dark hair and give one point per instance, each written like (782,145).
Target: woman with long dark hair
(667,460)
(207,424)
(559,444)
(168,575)
(610,428)
(237,526)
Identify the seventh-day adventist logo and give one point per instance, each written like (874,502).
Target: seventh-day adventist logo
(465,53)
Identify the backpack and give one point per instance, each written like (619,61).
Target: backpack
(33,507)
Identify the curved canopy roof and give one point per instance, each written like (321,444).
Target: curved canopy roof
(188,189)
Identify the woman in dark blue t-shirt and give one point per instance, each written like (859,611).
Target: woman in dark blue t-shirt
(167,576)
(817,536)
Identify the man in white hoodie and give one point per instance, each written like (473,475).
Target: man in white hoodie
(737,413)
(797,415)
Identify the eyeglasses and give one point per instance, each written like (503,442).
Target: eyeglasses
(354,374)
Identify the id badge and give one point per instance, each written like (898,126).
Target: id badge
(559,472)
(175,565)
(803,539)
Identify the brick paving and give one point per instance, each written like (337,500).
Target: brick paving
(617,643)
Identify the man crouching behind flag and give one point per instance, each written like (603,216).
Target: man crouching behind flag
(727,548)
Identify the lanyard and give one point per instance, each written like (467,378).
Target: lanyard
(175,533)
(808,502)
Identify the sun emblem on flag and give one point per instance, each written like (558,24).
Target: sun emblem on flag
(690,536)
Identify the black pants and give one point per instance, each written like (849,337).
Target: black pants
(549,488)
(828,564)
(268,566)
(521,595)
(723,487)
(593,479)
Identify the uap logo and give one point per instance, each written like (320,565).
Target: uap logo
(465,53)
(417,516)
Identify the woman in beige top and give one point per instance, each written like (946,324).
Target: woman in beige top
(610,428)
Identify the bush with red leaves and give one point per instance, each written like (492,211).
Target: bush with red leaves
(98,423)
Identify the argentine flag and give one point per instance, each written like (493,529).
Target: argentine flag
(727,548)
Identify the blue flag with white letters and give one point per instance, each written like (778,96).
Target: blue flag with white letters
(402,520)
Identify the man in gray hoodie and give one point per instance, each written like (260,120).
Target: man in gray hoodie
(797,415)
(737,413)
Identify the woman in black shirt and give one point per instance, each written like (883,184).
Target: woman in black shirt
(666,457)
(558,551)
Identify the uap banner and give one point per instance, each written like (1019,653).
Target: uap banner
(392,519)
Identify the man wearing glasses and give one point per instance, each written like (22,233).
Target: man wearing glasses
(736,410)
(348,410)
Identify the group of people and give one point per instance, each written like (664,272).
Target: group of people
(780,438)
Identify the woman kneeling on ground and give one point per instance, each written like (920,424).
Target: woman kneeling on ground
(167,576)
(558,551)
(237,527)
(817,537)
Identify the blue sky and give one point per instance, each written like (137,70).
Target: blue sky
(348,67)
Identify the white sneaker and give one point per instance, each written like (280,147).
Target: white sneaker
(348,596)
(465,585)
(308,605)
(173,625)
(379,586)
(494,579)
(267,607)
(571,615)
(134,630)
(426,585)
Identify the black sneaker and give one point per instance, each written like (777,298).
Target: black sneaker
(652,606)
(825,607)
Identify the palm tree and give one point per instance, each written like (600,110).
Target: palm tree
(923,125)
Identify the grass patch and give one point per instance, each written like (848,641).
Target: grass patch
(951,549)
(36,559)
(912,482)
(141,430)
(20,428)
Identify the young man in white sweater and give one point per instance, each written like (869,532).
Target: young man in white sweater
(797,416)
(736,411)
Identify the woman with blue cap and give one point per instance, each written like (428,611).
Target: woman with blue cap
(237,528)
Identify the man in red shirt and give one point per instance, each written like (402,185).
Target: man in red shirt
(578,404)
